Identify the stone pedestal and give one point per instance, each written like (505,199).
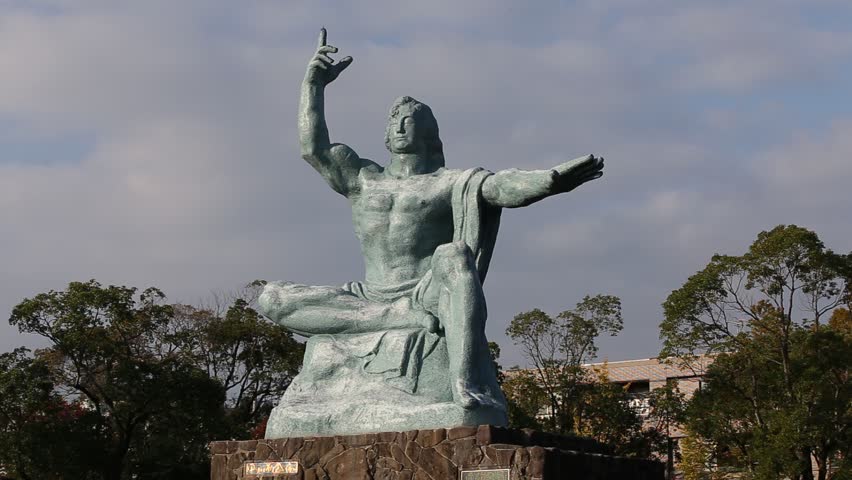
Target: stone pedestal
(440,454)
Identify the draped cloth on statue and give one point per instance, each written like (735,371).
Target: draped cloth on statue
(342,367)
(474,221)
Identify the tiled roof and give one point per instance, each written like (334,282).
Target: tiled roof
(651,369)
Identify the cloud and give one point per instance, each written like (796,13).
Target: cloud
(735,47)
(812,165)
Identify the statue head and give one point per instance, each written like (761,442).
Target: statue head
(412,128)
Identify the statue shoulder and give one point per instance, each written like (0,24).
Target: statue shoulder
(448,174)
(445,178)
(453,176)
(370,169)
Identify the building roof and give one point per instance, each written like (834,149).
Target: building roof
(651,369)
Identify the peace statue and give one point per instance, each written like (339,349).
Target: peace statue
(404,349)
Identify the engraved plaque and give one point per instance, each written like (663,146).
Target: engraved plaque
(486,474)
(257,469)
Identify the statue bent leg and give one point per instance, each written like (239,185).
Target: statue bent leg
(456,291)
(314,310)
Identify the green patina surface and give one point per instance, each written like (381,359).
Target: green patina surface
(491,474)
(405,348)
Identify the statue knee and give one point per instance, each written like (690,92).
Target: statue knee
(450,260)
(452,252)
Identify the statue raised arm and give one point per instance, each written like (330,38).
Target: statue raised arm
(337,163)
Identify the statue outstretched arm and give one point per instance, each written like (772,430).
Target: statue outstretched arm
(518,188)
(337,163)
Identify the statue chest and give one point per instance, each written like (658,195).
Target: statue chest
(422,195)
(418,204)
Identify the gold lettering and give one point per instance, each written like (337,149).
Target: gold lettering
(270,468)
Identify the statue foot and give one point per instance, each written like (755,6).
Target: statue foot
(470,396)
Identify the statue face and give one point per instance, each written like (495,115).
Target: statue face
(405,136)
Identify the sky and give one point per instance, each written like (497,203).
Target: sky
(154,143)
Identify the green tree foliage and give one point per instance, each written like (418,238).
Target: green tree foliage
(526,400)
(151,383)
(558,347)
(778,392)
(696,462)
(253,359)
(841,321)
(604,413)
(786,273)
(558,394)
(667,405)
(767,429)
(30,412)
(494,352)
(113,352)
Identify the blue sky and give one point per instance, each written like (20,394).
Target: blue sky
(154,143)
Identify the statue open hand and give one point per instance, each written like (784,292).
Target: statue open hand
(322,70)
(572,174)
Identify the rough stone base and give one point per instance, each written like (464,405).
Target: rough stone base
(438,454)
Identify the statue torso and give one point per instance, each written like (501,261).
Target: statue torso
(400,222)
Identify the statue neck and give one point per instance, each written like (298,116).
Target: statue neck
(407,164)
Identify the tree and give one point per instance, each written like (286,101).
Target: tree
(41,435)
(786,272)
(746,410)
(558,348)
(841,321)
(559,394)
(604,413)
(525,399)
(667,405)
(253,359)
(697,459)
(149,384)
(494,353)
(777,393)
(113,352)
